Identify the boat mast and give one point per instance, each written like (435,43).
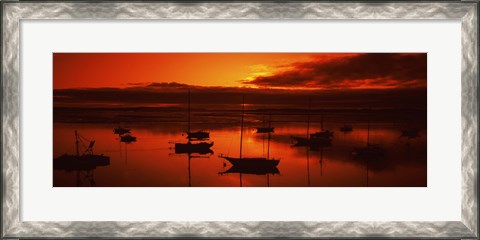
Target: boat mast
(268,144)
(368,132)
(189,172)
(188,130)
(367,171)
(308,117)
(76,142)
(308,135)
(241,125)
(321,161)
(308,167)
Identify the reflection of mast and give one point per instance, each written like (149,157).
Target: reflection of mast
(241,125)
(241,134)
(367,171)
(267,130)
(263,136)
(268,146)
(78,154)
(78,178)
(189,173)
(321,161)
(368,141)
(308,117)
(188,131)
(368,131)
(308,167)
(308,135)
(76,142)
(189,167)
(373,152)
(269,136)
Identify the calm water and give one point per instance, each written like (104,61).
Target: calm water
(151,160)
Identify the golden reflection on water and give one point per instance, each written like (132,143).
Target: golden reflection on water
(151,160)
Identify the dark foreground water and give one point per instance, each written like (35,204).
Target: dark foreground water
(151,160)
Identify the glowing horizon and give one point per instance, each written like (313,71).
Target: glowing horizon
(289,71)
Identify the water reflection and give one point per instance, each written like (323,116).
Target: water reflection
(152,160)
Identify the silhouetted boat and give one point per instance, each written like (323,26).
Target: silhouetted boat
(121,130)
(314,140)
(346,128)
(300,141)
(84,162)
(325,134)
(260,162)
(189,147)
(256,170)
(371,151)
(194,147)
(198,135)
(265,129)
(410,133)
(128,138)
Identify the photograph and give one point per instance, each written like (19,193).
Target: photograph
(246,119)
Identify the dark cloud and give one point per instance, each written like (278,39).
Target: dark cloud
(370,70)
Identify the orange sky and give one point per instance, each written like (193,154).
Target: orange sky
(79,70)
(278,70)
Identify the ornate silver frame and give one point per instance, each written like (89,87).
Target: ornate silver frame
(13,12)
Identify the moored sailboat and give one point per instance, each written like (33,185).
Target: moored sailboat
(410,133)
(266,129)
(121,130)
(371,151)
(80,162)
(128,138)
(194,147)
(346,128)
(322,138)
(254,162)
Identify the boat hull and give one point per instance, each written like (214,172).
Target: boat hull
(128,139)
(200,135)
(312,142)
(253,162)
(323,134)
(252,170)
(265,129)
(80,163)
(121,131)
(410,133)
(201,148)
